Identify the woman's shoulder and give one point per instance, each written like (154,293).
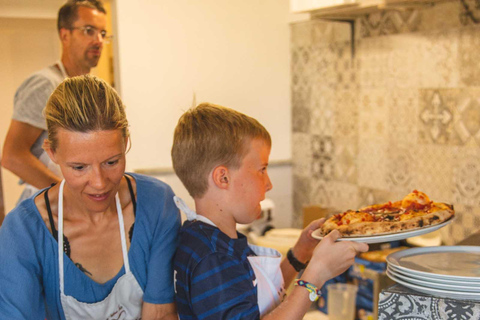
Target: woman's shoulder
(24,214)
(23,223)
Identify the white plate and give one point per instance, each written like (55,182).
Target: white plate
(433,284)
(424,277)
(436,292)
(386,237)
(457,263)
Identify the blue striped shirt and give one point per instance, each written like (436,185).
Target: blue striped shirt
(214,279)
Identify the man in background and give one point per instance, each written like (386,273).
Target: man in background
(81,27)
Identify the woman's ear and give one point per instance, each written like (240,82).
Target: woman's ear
(48,149)
(221,177)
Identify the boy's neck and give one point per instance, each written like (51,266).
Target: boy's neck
(218,215)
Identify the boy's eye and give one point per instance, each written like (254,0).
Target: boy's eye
(78,168)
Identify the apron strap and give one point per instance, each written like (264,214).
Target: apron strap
(60,235)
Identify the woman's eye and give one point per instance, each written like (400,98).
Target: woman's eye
(111,163)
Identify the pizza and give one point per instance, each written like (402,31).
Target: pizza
(415,211)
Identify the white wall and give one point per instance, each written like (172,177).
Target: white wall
(234,53)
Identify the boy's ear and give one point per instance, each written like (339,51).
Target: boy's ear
(221,177)
(48,149)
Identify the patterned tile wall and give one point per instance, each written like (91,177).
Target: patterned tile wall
(399,112)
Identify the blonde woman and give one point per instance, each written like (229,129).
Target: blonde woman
(98,245)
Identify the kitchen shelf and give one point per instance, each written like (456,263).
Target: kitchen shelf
(353,10)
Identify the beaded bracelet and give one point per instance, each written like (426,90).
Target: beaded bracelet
(315,293)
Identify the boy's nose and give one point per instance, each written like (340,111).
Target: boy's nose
(269,184)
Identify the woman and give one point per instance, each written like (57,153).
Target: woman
(116,232)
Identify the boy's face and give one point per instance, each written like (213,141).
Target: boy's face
(250,182)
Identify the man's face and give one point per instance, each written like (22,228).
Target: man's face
(85,49)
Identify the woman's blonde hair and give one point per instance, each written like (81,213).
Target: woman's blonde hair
(208,136)
(83,104)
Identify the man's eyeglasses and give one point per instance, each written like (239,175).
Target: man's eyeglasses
(93,32)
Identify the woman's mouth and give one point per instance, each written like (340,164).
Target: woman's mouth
(98,196)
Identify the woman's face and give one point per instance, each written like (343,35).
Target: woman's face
(92,164)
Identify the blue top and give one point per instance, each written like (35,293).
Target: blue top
(29,279)
(214,279)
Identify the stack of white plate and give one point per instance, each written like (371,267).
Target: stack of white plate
(445,271)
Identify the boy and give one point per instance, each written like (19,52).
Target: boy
(221,156)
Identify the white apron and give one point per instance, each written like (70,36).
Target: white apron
(124,301)
(266,266)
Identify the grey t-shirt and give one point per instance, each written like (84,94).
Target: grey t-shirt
(29,102)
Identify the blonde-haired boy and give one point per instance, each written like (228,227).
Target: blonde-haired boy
(221,156)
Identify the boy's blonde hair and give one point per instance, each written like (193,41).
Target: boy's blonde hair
(83,104)
(208,136)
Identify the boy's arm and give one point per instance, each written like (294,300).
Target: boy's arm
(302,251)
(329,259)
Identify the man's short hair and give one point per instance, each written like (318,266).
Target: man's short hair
(208,136)
(67,15)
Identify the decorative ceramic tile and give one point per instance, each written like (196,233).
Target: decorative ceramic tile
(344,164)
(469,55)
(436,116)
(434,172)
(470,12)
(372,165)
(322,114)
(467,121)
(300,119)
(331,31)
(301,68)
(440,16)
(466,223)
(405,63)
(322,156)
(371,57)
(343,196)
(321,193)
(373,106)
(389,22)
(302,155)
(438,57)
(396,117)
(398,302)
(344,66)
(402,116)
(401,169)
(346,115)
(323,66)
(301,197)
(466,177)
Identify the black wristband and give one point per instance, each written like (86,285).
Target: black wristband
(297,265)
